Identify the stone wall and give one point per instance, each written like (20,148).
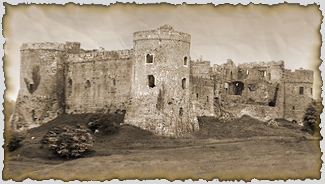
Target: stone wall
(203,95)
(98,81)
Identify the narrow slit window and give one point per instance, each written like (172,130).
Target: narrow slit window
(197,95)
(87,84)
(151,81)
(69,87)
(185,60)
(184,83)
(31,87)
(149,58)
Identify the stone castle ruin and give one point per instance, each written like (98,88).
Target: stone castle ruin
(156,83)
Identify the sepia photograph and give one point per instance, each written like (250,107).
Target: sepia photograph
(162,91)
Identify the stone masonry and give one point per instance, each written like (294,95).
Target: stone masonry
(156,82)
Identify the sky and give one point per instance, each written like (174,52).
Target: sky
(250,33)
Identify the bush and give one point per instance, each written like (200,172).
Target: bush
(69,142)
(105,124)
(15,140)
(310,118)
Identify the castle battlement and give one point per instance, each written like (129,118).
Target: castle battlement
(43,46)
(299,75)
(261,64)
(165,32)
(99,55)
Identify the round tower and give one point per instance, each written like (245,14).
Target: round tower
(41,94)
(160,83)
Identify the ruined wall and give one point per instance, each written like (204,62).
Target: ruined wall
(98,81)
(202,87)
(164,107)
(41,94)
(203,95)
(200,68)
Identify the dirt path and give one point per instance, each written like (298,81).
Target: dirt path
(277,158)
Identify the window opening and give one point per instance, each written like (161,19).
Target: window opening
(301,90)
(31,87)
(184,83)
(33,115)
(149,58)
(197,95)
(207,98)
(151,81)
(69,87)
(181,112)
(87,84)
(269,76)
(185,60)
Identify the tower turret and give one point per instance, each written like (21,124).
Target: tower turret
(41,94)
(160,82)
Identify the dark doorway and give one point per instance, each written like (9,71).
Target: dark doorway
(237,88)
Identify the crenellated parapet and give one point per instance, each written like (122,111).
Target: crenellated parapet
(165,32)
(261,64)
(100,55)
(299,75)
(43,46)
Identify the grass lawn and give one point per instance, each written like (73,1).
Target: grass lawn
(240,149)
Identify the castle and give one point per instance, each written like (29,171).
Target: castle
(156,82)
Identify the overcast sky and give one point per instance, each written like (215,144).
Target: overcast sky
(242,33)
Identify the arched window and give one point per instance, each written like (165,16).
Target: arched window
(87,84)
(151,81)
(185,61)
(184,83)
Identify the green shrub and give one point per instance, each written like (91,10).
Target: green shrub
(310,118)
(68,141)
(15,140)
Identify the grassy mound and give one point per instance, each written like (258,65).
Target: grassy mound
(244,127)
(127,138)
